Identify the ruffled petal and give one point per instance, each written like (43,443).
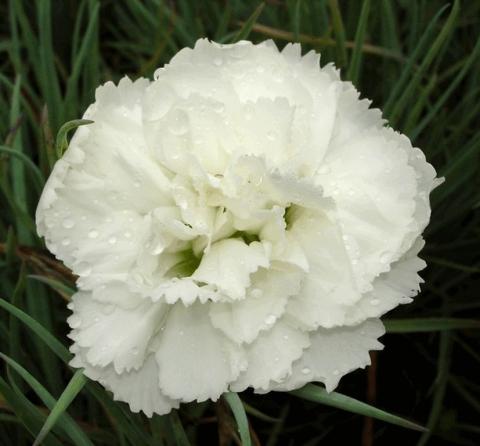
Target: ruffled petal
(138,388)
(196,361)
(110,334)
(228,265)
(271,355)
(242,320)
(332,354)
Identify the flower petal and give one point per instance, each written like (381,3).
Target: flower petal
(138,388)
(228,265)
(110,334)
(242,320)
(333,353)
(271,355)
(196,361)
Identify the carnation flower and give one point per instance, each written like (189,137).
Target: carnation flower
(243,220)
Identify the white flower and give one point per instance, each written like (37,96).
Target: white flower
(241,221)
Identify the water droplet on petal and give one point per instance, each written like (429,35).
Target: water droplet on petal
(68,223)
(269,320)
(135,351)
(385,257)
(336,372)
(65,241)
(271,135)
(179,124)
(127,234)
(306,370)
(93,234)
(256,293)
(324,170)
(375,301)
(217,61)
(112,240)
(285,337)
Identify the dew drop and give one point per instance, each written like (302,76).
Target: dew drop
(136,184)
(180,332)
(256,293)
(306,370)
(112,240)
(276,359)
(385,257)
(179,124)
(217,61)
(336,372)
(127,234)
(96,320)
(285,337)
(65,241)
(324,170)
(269,320)
(135,351)
(271,136)
(375,301)
(93,234)
(68,223)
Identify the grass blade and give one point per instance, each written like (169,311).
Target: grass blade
(238,410)
(62,141)
(318,394)
(428,325)
(339,30)
(245,30)
(67,424)
(354,68)
(75,385)
(51,341)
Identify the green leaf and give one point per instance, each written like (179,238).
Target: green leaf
(61,288)
(245,30)
(67,424)
(428,324)
(354,68)
(177,429)
(318,394)
(62,141)
(51,341)
(75,385)
(238,410)
(339,30)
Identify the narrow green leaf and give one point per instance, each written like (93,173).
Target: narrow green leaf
(177,429)
(30,417)
(67,424)
(238,410)
(400,84)
(449,91)
(339,30)
(437,45)
(428,325)
(62,141)
(36,174)
(318,394)
(51,341)
(245,30)
(58,286)
(75,385)
(354,68)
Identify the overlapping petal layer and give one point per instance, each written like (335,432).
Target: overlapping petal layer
(243,220)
